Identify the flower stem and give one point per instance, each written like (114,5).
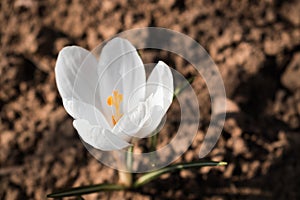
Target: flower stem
(153,142)
(125,177)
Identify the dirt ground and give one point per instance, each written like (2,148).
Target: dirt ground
(256,45)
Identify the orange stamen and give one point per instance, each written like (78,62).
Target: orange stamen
(115,101)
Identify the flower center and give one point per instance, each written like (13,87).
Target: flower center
(115,101)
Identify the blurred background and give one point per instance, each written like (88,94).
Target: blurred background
(256,45)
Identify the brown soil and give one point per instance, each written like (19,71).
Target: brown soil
(256,45)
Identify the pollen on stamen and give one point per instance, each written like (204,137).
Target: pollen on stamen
(113,120)
(115,100)
(115,93)
(120,97)
(110,100)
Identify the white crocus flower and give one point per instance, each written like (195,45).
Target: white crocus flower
(110,99)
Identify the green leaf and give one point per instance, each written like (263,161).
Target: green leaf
(155,174)
(77,191)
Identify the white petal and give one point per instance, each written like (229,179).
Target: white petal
(76,74)
(160,85)
(81,110)
(98,137)
(121,69)
(159,90)
(156,115)
(132,122)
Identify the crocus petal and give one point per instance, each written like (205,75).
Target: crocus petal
(156,114)
(121,69)
(80,110)
(132,122)
(160,86)
(76,74)
(98,137)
